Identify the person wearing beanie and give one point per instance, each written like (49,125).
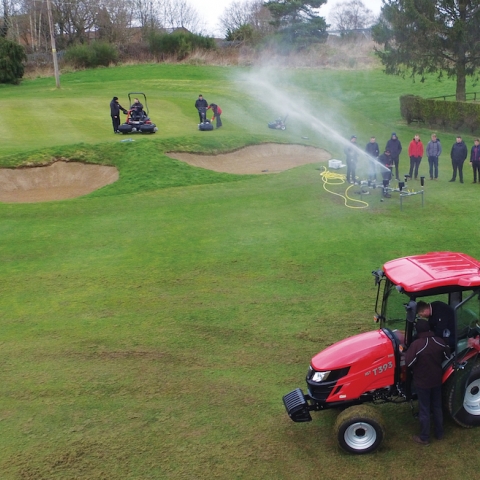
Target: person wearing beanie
(395,147)
(425,356)
(115,109)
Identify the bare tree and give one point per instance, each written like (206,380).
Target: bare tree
(5,22)
(28,24)
(352,15)
(147,13)
(180,13)
(74,20)
(240,14)
(113,20)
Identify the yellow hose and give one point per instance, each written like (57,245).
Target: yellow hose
(330,178)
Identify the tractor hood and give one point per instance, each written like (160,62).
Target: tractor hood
(363,349)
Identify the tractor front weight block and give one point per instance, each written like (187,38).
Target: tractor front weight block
(297,406)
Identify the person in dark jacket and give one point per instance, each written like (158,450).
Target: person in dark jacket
(425,356)
(351,154)
(434,150)
(415,152)
(475,160)
(441,318)
(373,152)
(395,147)
(386,160)
(217,112)
(136,109)
(115,109)
(201,105)
(458,155)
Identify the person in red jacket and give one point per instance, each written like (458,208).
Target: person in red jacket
(217,111)
(415,152)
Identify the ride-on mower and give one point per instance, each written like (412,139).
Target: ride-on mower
(137,121)
(369,367)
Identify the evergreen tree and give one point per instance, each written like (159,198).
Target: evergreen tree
(297,21)
(430,36)
(12,57)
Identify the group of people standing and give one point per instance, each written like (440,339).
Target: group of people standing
(390,158)
(202,106)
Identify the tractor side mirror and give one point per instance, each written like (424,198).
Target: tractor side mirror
(411,308)
(378,274)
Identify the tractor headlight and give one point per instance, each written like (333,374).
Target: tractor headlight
(320,376)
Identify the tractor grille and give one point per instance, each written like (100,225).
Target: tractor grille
(321,391)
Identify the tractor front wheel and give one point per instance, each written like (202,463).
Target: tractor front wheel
(359,429)
(469,414)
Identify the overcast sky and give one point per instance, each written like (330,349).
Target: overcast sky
(211,10)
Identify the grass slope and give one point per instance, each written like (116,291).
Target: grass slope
(150,329)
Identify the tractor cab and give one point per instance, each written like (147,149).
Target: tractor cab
(451,278)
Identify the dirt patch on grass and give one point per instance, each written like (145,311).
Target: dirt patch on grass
(57,181)
(265,158)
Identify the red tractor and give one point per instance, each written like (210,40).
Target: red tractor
(369,367)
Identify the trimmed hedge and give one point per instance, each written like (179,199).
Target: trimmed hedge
(440,113)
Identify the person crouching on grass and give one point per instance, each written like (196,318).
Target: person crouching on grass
(217,111)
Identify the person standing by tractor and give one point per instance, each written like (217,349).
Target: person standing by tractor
(201,105)
(434,149)
(115,109)
(425,356)
(351,154)
(475,160)
(458,155)
(415,152)
(395,147)
(441,318)
(373,152)
(217,112)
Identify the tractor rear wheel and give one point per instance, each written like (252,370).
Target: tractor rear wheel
(359,429)
(469,415)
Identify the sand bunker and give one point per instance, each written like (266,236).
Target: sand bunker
(58,181)
(265,158)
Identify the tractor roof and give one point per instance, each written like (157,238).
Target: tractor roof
(443,271)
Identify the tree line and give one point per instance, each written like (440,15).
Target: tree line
(414,37)
(81,21)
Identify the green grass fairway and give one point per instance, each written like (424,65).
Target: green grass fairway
(150,329)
